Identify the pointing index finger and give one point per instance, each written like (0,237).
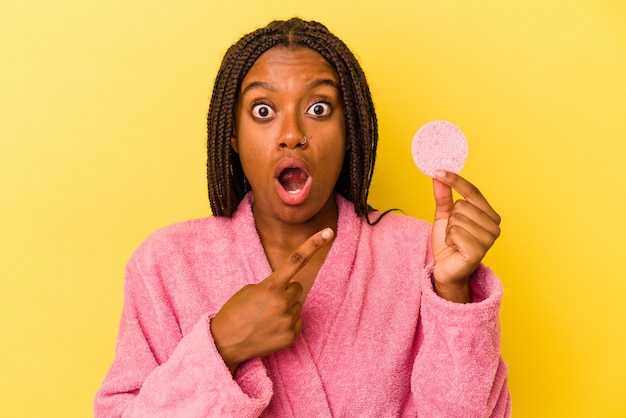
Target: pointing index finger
(298,259)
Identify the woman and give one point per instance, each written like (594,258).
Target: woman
(296,298)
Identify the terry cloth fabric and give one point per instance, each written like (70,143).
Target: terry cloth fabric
(376,341)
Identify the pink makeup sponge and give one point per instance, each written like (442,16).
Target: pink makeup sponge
(439,145)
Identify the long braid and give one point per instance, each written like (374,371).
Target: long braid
(226,181)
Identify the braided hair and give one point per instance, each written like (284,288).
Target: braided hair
(226,180)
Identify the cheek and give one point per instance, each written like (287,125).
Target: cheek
(252,160)
(334,159)
(247,159)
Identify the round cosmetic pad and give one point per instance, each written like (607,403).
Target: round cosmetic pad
(439,145)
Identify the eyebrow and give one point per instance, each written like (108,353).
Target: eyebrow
(323,82)
(257,85)
(312,85)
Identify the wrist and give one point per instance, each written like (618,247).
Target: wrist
(226,351)
(453,292)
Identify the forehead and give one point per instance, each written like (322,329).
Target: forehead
(280,62)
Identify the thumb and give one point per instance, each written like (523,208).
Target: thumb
(444,202)
(298,259)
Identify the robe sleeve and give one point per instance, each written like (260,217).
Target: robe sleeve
(158,372)
(458,371)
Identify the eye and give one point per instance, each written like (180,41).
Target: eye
(262,111)
(319,109)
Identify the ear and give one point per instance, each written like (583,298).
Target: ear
(234,143)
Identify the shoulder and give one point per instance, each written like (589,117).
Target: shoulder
(196,240)
(192,228)
(183,237)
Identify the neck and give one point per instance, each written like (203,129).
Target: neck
(281,238)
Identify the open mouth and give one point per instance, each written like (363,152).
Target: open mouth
(293,179)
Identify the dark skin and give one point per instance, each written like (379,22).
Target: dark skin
(265,317)
(463,232)
(289,94)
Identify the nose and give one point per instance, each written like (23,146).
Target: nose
(292,133)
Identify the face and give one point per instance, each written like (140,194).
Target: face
(287,95)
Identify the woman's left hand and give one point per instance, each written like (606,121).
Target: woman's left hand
(463,231)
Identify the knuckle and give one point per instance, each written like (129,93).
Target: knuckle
(472,190)
(462,203)
(455,218)
(453,229)
(297,308)
(295,285)
(494,231)
(286,323)
(297,258)
(283,306)
(316,242)
(290,331)
(289,338)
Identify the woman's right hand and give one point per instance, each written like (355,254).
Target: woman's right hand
(265,317)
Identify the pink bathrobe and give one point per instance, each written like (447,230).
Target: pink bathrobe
(376,340)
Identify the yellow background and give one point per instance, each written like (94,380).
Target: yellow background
(102,125)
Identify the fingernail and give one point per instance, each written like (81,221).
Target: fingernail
(327,233)
(440,173)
